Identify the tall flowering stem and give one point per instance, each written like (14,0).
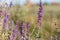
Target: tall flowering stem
(22,30)
(39,19)
(15,32)
(21,27)
(6,5)
(10,4)
(40,13)
(6,19)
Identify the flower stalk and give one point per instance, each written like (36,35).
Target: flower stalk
(40,13)
(27,31)
(39,20)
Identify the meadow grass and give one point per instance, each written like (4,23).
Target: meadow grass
(50,19)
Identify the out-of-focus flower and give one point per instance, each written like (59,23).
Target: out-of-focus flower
(6,5)
(10,4)
(27,30)
(6,19)
(14,32)
(19,35)
(28,25)
(21,27)
(13,36)
(7,15)
(22,30)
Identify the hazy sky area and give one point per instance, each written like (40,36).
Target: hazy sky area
(23,1)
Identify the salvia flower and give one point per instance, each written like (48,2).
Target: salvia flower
(14,32)
(21,27)
(39,19)
(6,5)
(22,30)
(19,35)
(13,36)
(7,15)
(40,13)
(6,19)
(10,4)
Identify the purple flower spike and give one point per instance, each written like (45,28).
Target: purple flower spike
(15,31)
(27,31)
(40,13)
(21,30)
(10,4)
(7,16)
(19,36)
(21,27)
(13,36)
(5,20)
(6,5)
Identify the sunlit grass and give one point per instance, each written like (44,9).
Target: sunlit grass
(51,15)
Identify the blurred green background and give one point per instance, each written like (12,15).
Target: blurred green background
(50,19)
(28,13)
